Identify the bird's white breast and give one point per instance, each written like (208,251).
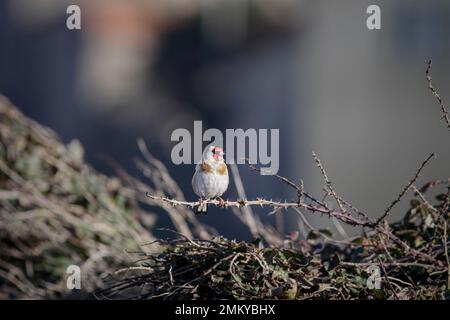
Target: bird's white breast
(209,184)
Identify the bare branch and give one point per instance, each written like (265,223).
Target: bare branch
(405,189)
(435,93)
(299,188)
(342,216)
(327,181)
(445,240)
(391,264)
(386,276)
(424,200)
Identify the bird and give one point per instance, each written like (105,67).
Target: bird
(210,179)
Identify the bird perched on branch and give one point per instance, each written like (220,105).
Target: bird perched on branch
(210,179)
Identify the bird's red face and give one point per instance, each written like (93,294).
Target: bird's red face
(217,153)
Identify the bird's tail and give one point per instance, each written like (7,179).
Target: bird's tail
(202,209)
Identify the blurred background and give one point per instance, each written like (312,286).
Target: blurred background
(139,68)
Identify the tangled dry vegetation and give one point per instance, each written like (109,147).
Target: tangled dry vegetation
(409,257)
(56,211)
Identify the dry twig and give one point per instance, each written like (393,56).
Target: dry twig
(405,189)
(436,94)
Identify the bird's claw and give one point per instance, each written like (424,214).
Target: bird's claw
(221,202)
(200,204)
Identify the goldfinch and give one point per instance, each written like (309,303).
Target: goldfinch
(210,179)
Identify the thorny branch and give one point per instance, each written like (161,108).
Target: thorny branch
(405,189)
(343,216)
(435,93)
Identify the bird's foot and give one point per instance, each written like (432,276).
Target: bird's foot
(221,202)
(200,206)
